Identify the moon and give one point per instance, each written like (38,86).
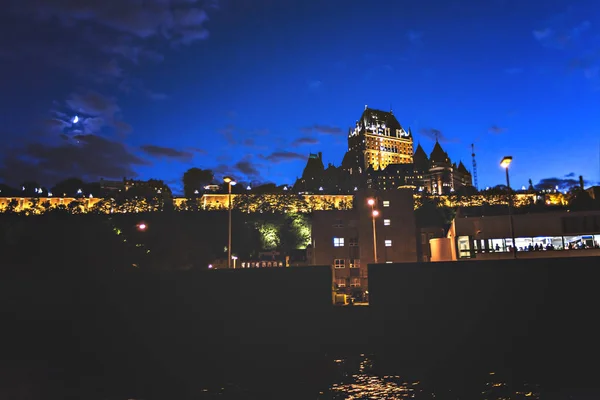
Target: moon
(76,119)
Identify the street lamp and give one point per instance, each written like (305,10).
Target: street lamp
(230,182)
(374,213)
(234,258)
(504,164)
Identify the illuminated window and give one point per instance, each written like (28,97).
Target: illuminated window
(386,203)
(338,242)
(355,282)
(341,282)
(388,243)
(339,263)
(354,263)
(386,222)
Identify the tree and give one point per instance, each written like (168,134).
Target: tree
(194,179)
(68,187)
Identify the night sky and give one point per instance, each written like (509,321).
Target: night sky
(251,87)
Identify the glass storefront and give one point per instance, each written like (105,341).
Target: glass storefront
(468,247)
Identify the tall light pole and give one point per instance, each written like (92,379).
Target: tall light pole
(374,213)
(230,182)
(504,164)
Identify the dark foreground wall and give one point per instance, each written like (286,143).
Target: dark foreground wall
(152,334)
(537,316)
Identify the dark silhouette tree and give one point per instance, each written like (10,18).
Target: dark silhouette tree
(194,179)
(68,187)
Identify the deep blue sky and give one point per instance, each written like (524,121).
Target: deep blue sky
(250,87)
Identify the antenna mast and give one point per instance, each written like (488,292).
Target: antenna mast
(474,166)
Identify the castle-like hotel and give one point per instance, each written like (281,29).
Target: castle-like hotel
(380,156)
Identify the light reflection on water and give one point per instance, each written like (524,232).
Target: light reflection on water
(360,382)
(356,379)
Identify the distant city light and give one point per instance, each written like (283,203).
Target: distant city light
(76,119)
(91,196)
(523,187)
(285,188)
(196,191)
(142,226)
(248,187)
(49,194)
(79,191)
(210,266)
(321,188)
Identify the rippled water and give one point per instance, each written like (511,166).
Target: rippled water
(355,378)
(358,382)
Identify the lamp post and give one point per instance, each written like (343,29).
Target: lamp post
(374,213)
(504,164)
(230,182)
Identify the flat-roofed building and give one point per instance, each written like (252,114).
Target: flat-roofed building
(344,238)
(546,234)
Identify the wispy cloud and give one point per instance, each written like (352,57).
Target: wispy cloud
(560,33)
(495,129)
(304,141)
(415,37)
(166,152)
(324,129)
(436,134)
(314,84)
(281,156)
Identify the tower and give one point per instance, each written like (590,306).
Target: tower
(474,166)
(379,140)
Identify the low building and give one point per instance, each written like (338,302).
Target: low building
(546,234)
(345,239)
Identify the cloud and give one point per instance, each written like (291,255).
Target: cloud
(436,134)
(99,42)
(324,129)
(495,129)
(176,21)
(247,168)
(89,157)
(561,183)
(304,141)
(244,167)
(282,156)
(561,31)
(314,84)
(166,152)
(233,133)
(570,175)
(414,37)
(542,34)
(197,150)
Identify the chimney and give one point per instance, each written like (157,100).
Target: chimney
(320,155)
(581,182)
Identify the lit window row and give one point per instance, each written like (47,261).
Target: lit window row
(341,263)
